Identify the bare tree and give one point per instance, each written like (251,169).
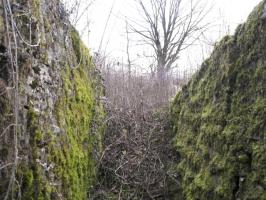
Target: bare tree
(129,63)
(170,26)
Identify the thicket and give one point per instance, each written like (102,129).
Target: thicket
(138,157)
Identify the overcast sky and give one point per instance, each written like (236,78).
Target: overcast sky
(225,15)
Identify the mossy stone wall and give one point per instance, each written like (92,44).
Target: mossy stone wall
(60,112)
(219,119)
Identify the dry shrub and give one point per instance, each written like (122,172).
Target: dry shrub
(138,156)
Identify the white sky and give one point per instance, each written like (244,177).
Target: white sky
(225,16)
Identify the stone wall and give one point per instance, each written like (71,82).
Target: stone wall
(60,114)
(220,119)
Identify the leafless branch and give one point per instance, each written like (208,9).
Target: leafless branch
(169,28)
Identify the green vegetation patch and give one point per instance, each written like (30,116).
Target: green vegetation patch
(76,111)
(73,152)
(220,119)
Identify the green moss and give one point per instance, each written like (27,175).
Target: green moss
(220,120)
(76,110)
(75,149)
(34,184)
(47,25)
(79,115)
(2,25)
(36,8)
(81,52)
(74,113)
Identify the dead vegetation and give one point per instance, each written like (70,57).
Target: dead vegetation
(138,156)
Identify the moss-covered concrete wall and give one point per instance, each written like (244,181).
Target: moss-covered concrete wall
(220,119)
(60,112)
